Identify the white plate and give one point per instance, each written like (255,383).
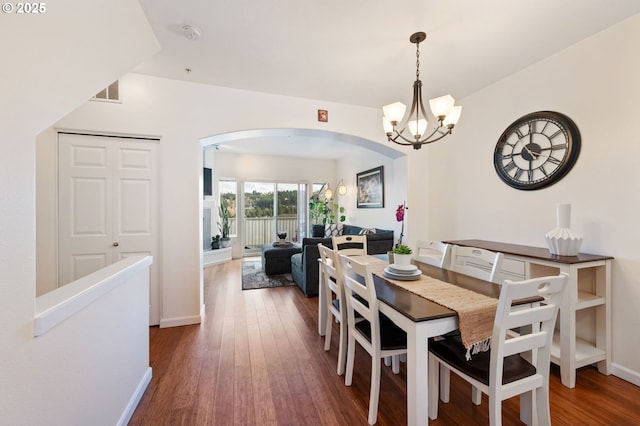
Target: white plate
(403,277)
(399,269)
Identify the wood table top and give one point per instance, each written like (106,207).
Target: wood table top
(527,251)
(418,308)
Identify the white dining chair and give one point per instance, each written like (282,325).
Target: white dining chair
(350,245)
(335,304)
(435,253)
(477,262)
(376,333)
(513,366)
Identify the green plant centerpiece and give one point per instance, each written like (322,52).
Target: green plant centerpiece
(402,255)
(402,249)
(224,225)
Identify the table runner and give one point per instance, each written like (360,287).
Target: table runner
(476,312)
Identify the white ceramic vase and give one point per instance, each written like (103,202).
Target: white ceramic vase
(562,240)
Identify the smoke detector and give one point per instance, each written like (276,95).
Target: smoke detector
(191,32)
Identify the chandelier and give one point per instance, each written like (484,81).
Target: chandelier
(442,108)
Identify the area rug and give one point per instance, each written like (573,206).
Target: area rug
(253,277)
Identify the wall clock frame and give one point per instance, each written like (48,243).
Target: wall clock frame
(537,150)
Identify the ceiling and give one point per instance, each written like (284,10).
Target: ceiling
(358,51)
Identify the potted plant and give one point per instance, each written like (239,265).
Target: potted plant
(402,255)
(224,225)
(215,242)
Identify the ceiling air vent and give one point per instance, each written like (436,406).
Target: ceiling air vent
(110,94)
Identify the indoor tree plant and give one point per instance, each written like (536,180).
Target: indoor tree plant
(224,225)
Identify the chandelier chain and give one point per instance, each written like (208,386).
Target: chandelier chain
(417,61)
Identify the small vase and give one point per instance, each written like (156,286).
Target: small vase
(563,241)
(402,259)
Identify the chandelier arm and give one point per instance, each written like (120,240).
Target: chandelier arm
(400,142)
(442,135)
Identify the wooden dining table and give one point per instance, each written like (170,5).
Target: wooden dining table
(420,318)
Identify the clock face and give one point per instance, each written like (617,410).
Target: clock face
(537,150)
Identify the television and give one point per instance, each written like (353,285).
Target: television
(208,182)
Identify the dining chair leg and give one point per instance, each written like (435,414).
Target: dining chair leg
(351,352)
(434,378)
(527,416)
(395,364)
(327,331)
(375,390)
(476,395)
(495,410)
(342,347)
(445,383)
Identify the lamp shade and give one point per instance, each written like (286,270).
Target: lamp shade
(417,127)
(452,118)
(342,189)
(328,193)
(387,126)
(394,112)
(442,105)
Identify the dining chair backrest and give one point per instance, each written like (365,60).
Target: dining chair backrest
(477,262)
(332,277)
(360,292)
(435,253)
(350,245)
(335,305)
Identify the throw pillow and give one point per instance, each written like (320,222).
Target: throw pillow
(332,229)
(367,231)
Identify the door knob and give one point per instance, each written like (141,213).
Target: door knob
(116,244)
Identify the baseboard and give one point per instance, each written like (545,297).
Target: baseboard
(135,398)
(180,321)
(626,374)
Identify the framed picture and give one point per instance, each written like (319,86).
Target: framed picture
(371,188)
(323,115)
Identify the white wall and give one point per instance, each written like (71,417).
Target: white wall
(595,82)
(182,114)
(52,63)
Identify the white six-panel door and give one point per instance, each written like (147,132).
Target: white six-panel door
(107,206)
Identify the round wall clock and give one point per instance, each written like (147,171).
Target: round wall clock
(537,150)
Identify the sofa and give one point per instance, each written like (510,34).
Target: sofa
(304,265)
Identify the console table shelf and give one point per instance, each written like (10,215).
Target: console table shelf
(588,292)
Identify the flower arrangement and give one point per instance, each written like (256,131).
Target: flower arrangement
(400,218)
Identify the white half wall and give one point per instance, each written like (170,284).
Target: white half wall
(52,63)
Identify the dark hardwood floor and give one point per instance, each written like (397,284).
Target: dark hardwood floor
(257,359)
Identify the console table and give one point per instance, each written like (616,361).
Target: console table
(584,335)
